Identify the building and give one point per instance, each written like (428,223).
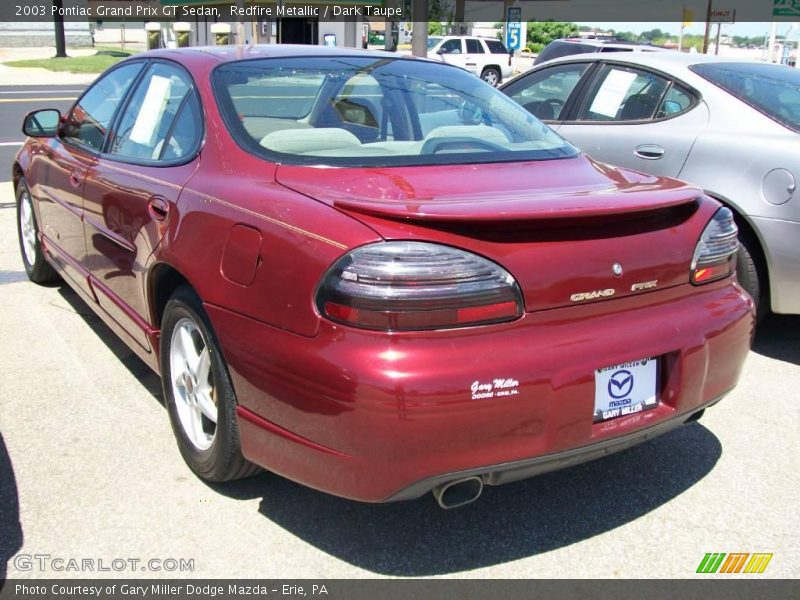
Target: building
(19,34)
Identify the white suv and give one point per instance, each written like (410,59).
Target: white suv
(487,58)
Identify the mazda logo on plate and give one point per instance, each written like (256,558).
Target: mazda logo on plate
(620,384)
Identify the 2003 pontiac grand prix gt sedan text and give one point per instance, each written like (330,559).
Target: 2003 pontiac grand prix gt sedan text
(377,275)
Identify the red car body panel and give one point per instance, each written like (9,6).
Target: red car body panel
(367,414)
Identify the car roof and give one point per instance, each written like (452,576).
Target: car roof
(605,42)
(472,37)
(660,60)
(234,53)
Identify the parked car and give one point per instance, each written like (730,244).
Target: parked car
(729,126)
(571,46)
(398,282)
(488,58)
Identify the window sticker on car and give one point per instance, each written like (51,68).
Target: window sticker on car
(152,108)
(611,94)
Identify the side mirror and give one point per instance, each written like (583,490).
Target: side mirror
(440,51)
(42,123)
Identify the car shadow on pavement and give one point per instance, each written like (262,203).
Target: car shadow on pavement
(137,367)
(778,337)
(506,523)
(10,526)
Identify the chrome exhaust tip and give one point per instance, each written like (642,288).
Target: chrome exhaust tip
(459,492)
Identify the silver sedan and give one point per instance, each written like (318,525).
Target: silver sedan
(728,126)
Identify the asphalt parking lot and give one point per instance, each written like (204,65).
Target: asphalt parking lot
(89,470)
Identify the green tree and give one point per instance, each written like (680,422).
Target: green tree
(544,32)
(653,34)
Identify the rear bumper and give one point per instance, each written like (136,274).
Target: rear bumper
(530,467)
(379,417)
(783,257)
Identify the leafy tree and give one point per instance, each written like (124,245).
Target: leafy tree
(653,34)
(434,28)
(544,32)
(440,11)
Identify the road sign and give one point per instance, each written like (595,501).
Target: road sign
(723,15)
(786,8)
(513,28)
(513,36)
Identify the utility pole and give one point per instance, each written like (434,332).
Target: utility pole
(773,34)
(708,28)
(419,43)
(58,25)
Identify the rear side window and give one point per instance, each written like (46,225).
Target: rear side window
(149,128)
(615,49)
(496,47)
(623,94)
(88,122)
(474,47)
(677,100)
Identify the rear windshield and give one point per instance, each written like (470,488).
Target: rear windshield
(558,49)
(772,89)
(367,111)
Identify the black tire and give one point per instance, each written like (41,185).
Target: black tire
(222,460)
(749,276)
(36,266)
(491,76)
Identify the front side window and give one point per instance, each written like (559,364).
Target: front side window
(361,111)
(772,89)
(432,41)
(451,47)
(148,130)
(545,93)
(88,122)
(623,94)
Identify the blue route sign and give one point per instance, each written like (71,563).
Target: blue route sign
(513,28)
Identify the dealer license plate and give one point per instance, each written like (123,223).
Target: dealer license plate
(625,389)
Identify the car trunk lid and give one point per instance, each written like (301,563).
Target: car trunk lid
(570,231)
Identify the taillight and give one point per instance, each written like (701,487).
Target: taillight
(402,286)
(715,255)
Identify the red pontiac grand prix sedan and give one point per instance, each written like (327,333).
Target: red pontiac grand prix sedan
(377,275)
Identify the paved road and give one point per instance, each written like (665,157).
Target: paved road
(15,103)
(88,469)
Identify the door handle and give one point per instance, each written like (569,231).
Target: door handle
(158,208)
(75,179)
(649,152)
